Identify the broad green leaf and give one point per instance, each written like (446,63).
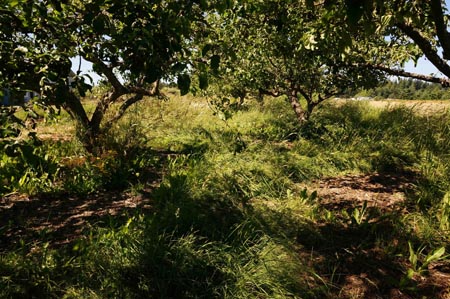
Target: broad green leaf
(215,62)
(184,83)
(13,3)
(203,80)
(436,255)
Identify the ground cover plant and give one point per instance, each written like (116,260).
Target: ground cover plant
(185,203)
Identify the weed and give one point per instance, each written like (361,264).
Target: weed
(231,217)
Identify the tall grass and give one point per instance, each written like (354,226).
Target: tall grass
(231,217)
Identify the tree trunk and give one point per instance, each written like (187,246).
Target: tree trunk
(302,115)
(84,130)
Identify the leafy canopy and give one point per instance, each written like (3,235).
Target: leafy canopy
(291,48)
(131,44)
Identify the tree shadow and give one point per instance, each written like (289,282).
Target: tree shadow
(363,254)
(61,217)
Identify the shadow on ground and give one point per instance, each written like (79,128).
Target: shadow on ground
(364,258)
(62,219)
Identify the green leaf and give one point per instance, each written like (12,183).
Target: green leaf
(355,10)
(438,253)
(410,273)
(13,3)
(203,80)
(215,62)
(412,256)
(178,67)
(206,49)
(184,83)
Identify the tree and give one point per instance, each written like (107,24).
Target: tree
(132,45)
(412,29)
(290,48)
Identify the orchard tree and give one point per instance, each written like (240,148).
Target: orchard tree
(290,48)
(412,29)
(132,45)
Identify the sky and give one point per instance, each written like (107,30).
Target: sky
(423,65)
(86,68)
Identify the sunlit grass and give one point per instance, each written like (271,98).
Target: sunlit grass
(231,217)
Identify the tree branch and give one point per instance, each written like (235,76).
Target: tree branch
(272,93)
(304,94)
(441,28)
(121,112)
(107,71)
(101,108)
(398,72)
(113,96)
(146,92)
(426,48)
(108,98)
(76,110)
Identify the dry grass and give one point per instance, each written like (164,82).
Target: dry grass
(420,106)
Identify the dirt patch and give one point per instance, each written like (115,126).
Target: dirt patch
(362,265)
(61,219)
(385,192)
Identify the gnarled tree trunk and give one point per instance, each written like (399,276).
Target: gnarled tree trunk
(301,114)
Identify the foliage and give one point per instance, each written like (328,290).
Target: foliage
(277,49)
(24,165)
(243,224)
(132,46)
(412,28)
(405,89)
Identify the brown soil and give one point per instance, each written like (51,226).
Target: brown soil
(63,219)
(349,257)
(385,192)
(364,266)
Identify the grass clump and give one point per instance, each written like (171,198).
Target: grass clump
(233,208)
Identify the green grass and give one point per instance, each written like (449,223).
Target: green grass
(231,217)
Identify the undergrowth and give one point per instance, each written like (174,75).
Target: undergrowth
(232,216)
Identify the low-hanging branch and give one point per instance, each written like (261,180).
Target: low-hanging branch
(426,48)
(121,112)
(445,82)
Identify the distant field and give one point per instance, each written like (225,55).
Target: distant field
(420,106)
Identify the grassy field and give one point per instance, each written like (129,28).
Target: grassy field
(185,203)
(429,107)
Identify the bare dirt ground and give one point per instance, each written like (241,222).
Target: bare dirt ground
(364,269)
(62,219)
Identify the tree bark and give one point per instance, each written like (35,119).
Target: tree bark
(100,110)
(301,114)
(445,82)
(426,47)
(441,28)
